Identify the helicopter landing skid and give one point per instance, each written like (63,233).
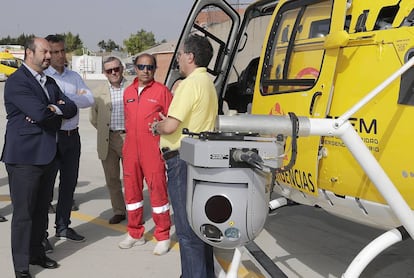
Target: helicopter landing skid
(268,268)
(373,249)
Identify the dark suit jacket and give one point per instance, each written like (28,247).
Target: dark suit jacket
(32,142)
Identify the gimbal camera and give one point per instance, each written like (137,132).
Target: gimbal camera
(229,185)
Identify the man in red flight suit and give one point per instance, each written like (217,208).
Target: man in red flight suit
(143,100)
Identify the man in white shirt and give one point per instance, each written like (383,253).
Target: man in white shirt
(69,144)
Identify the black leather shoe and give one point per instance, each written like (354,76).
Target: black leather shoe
(117,218)
(70,234)
(2,218)
(23,274)
(44,262)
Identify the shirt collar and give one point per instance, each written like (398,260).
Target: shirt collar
(198,70)
(137,84)
(52,71)
(33,72)
(40,77)
(120,85)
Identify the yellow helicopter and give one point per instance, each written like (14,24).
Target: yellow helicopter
(342,71)
(8,63)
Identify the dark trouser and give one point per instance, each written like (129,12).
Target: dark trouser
(31,188)
(69,149)
(196,256)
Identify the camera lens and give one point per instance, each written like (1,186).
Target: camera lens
(218,209)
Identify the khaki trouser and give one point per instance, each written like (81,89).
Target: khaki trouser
(112,169)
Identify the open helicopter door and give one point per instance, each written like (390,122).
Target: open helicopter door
(203,19)
(295,74)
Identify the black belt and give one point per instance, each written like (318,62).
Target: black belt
(117,131)
(167,153)
(69,132)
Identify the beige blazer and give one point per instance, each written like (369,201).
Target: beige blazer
(100,118)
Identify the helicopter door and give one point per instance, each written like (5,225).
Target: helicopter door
(219,22)
(295,75)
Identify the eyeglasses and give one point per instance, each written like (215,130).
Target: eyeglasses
(180,53)
(142,67)
(109,71)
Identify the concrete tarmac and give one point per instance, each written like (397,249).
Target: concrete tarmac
(301,241)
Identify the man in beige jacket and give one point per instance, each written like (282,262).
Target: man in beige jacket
(107,116)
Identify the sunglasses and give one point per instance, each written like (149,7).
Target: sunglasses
(142,67)
(109,71)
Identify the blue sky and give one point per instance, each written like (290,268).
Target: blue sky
(95,20)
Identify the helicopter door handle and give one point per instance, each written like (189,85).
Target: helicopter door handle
(315,95)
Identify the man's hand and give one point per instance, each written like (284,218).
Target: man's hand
(154,126)
(52,108)
(162,116)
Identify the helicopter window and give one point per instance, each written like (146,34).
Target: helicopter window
(238,92)
(362,20)
(217,44)
(409,20)
(206,25)
(285,34)
(406,95)
(347,23)
(319,28)
(10,63)
(386,17)
(216,24)
(296,48)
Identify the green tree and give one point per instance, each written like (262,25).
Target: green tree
(7,40)
(111,45)
(20,40)
(108,46)
(139,42)
(102,45)
(72,42)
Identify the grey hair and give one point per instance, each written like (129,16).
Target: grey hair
(111,59)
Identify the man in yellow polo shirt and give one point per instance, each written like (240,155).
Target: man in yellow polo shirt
(194,106)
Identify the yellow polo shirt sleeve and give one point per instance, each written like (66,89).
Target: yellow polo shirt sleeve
(195,105)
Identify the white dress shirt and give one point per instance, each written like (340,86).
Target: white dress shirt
(73,86)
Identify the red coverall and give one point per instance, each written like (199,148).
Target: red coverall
(142,158)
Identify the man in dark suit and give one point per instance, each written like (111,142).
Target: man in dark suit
(35,108)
